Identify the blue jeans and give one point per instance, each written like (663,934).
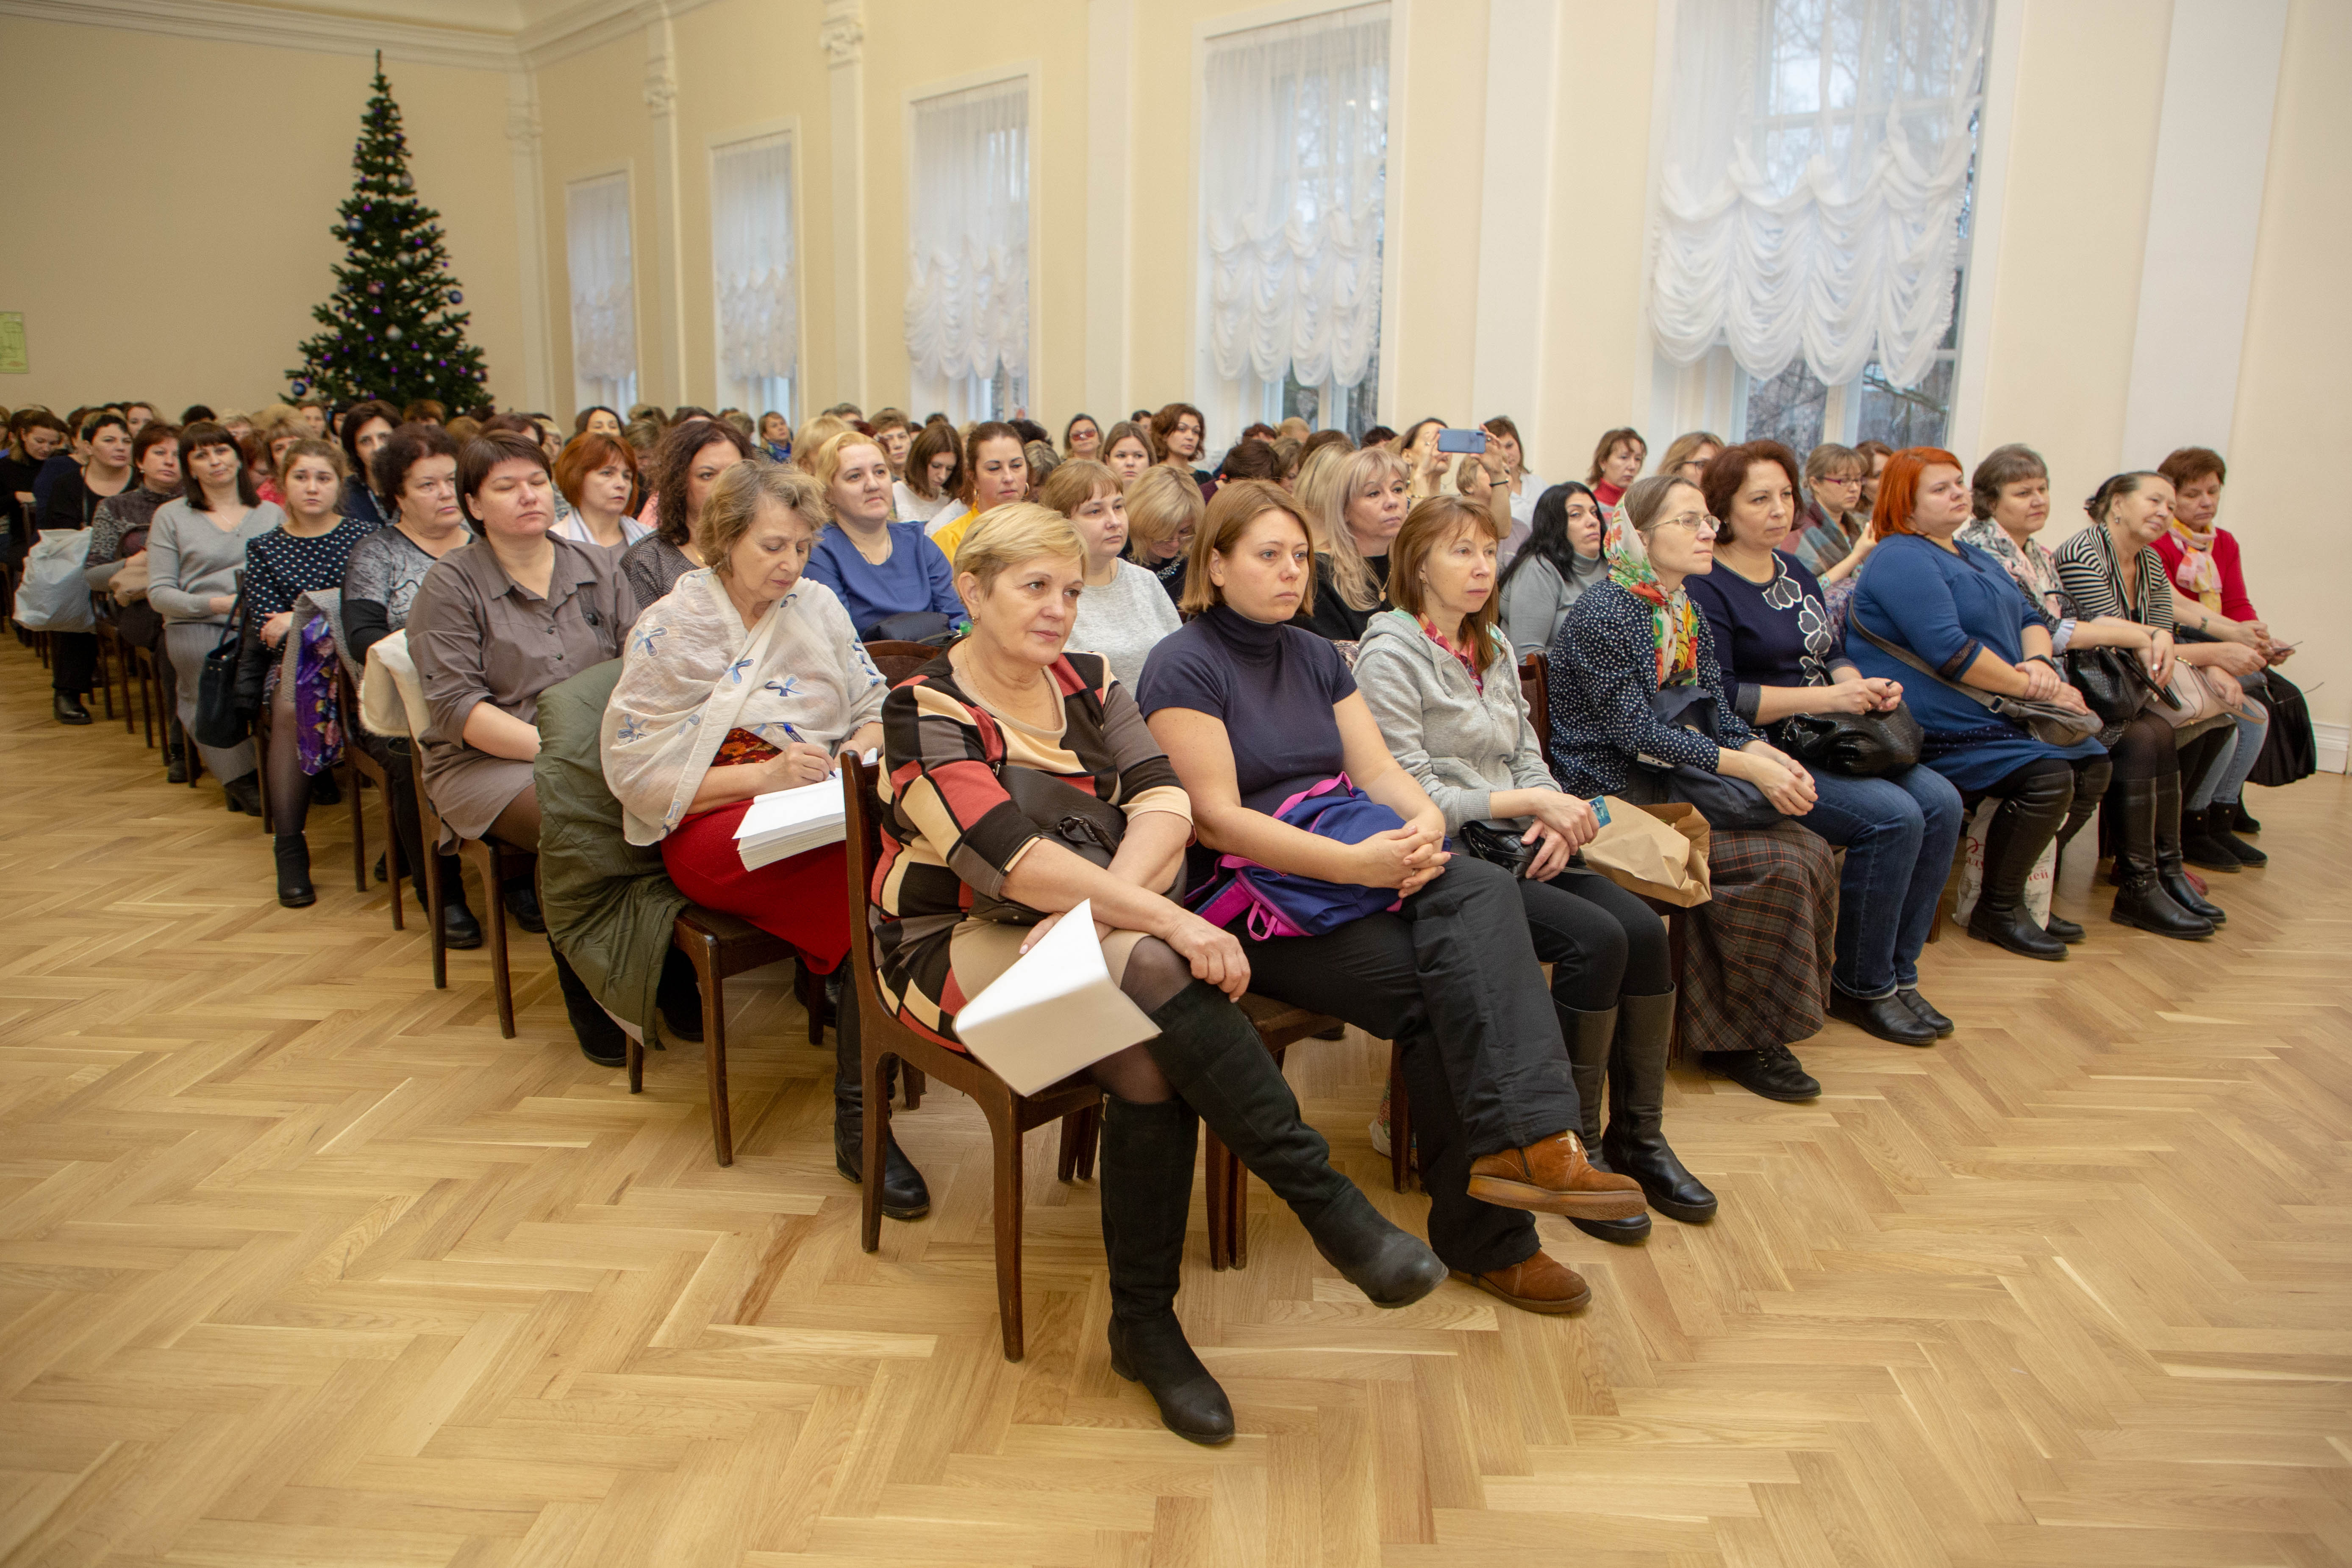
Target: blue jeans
(1899,832)
(2226,778)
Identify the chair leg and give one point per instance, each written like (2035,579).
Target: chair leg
(873,1068)
(394,864)
(1075,1160)
(1236,1209)
(1218,1204)
(494,919)
(359,829)
(913,1082)
(704,954)
(1400,1123)
(1006,1134)
(635,1050)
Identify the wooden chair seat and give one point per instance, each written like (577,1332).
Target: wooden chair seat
(493,862)
(1010,1115)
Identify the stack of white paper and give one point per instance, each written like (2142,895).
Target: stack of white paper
(788,822)
(1054,1012)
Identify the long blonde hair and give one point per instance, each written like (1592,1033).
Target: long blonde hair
(1335,484)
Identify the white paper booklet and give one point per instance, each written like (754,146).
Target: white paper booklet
(1054,1012)
(789,822)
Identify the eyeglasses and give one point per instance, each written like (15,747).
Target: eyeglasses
(1699,524)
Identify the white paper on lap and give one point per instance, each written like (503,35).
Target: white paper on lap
(1054,1012)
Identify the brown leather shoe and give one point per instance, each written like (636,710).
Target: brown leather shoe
(1541,1284)
(1554,1178)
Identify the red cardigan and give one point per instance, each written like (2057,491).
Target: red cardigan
(2235,603)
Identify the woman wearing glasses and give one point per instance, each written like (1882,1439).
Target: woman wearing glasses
(1756,967)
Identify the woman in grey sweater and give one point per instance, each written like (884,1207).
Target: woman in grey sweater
(1443,686)
(1560,561)
(195,553)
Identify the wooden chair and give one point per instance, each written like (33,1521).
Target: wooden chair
(365,769)
(113,658)
(897,660)
(1280,1026)
(493,862)
(718,945)
(882,1036)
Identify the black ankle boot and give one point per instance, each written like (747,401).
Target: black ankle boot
(2201,848)
(679,997)
(522,903)
(1211,1053)
(2064,929)
(904,1193)
(2169,870)
(2220,819)
(2141,898)
(1591,1037)
(2239,819)
(294,890)
(1147,1196)
(69,709)
(1636,1139)
(2022,827)
(244,794)
(602,1040)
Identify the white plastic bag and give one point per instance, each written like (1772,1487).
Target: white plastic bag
(2038,882)
(55,595)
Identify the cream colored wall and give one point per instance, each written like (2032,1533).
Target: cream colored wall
(171,239)
(593,113)
(2291,386)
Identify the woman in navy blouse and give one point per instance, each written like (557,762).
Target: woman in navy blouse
(1958,610)
(1753,975)
(876,568)
(1786,657)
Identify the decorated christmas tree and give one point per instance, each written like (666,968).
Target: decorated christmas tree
(391,331)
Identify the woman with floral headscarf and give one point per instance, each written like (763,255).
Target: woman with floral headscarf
(1756,966)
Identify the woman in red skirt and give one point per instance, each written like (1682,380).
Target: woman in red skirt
(746,678)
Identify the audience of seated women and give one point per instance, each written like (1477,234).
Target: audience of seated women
(1443,684)
(2111,569)
(1756,960)
(1953,608)
(995,473)
(974,748)
(1255,711)
(1617,461)
(927,492)
(2203,563)
(686,464)
(495,623)
(1358,502)
(72,505)
(1560,560)
(893,582)
(749,678)
(1783,658)
(118,540)
(196,552)
(597,474)
(1164,507)
(415,471)
(365,427)
(1125,611)
(306,553)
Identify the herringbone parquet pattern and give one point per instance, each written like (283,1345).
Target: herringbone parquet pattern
(300,1263)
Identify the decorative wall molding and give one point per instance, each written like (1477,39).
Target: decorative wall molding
(661,86)
(2330,742)
(842,33)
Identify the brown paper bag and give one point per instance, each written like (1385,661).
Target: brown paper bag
(1657,851)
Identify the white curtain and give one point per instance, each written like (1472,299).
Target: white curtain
(752,262)
(1293,174)
(968,234)
(603,293)
(1815,175)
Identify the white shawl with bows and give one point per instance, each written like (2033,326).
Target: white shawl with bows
(692,671)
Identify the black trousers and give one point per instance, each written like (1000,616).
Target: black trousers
(1601,940)
(73,662)
(1453,979)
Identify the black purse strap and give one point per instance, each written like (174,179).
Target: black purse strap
(1988,701)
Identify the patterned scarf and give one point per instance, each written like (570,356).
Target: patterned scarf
(1673,623)
(2197,572)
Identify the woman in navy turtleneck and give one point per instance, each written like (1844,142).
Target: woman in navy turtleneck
(1253,710)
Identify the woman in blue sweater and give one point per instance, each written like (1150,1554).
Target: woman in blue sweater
(1783,655)
(876,568)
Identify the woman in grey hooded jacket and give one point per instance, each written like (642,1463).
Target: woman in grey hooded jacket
(1442,683)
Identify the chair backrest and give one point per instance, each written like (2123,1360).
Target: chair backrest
(897,660)
(391,698)
(862,846)
(1534,685)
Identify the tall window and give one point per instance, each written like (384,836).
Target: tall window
(755,286)
(1813,211)
(968,252)
(1293,185)
(603,293)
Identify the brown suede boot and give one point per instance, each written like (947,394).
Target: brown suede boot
(1540,1285)
(1554,1178)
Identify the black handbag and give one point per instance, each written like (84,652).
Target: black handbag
(1086,824)
(1727,804)
(220,723)
(1860,745)
(2112,684)
(926,626)
(1499,844)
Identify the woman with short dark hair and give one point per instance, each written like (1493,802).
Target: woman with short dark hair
(687,464)
(366,428)
(1177,433)
(927,492)
(1617,459)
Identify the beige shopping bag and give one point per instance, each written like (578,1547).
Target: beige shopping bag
(1657,851)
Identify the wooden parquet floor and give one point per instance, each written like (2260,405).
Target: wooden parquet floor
(301,1264)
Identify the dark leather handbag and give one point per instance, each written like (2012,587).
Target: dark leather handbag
(1859,745)
(2112,684)
(1498,842)
(1084,824)
(220,721)
(926,626)
(1729,804)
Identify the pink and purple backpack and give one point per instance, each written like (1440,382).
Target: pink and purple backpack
(1282,903)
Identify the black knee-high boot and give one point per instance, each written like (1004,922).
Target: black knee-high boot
(1637,1140)
(904,1193)
(1210,1051)
(2022,827)
(1590,1036)
(2141,898)
(1147,1195)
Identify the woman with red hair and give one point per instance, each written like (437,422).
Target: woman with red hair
(1947,621)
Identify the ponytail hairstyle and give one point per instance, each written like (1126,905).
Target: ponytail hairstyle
(2111,490)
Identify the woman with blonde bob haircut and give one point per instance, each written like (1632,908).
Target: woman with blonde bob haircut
(748,677)
(1359,503)
(1124,613)
(1007,731)
(1258,714)
(1439,677)
(1163,509)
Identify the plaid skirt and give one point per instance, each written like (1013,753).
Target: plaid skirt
(1756,965)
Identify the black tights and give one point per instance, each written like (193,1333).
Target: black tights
(1155,974)
(290,786)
